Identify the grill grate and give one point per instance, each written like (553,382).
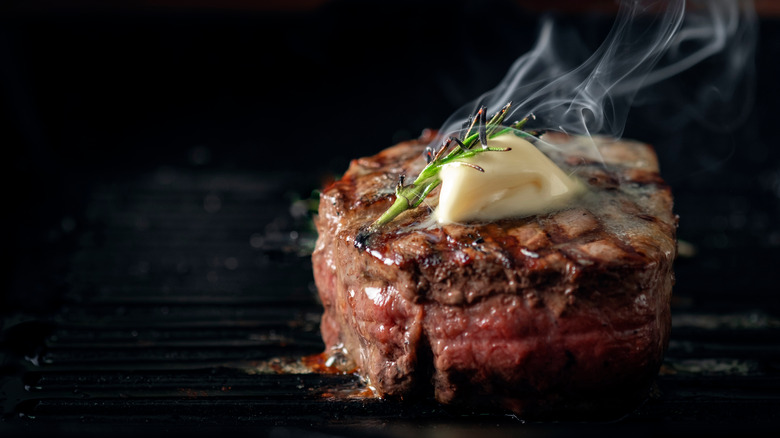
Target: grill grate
(188,289)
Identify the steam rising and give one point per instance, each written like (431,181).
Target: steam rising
(650,42)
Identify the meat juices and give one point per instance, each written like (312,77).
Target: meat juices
(560,315)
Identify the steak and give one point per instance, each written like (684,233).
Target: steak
(559,315)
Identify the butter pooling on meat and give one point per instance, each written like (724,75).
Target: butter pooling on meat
(519,182)
(461,150)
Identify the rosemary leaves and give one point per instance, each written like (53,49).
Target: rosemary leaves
(454,149)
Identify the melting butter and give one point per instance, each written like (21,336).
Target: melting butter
(516,183)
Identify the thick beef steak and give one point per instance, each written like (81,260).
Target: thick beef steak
(556,315)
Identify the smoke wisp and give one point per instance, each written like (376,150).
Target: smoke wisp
(650,42)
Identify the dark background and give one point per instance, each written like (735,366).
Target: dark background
(91,94)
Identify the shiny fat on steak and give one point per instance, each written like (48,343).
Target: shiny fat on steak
(559,315)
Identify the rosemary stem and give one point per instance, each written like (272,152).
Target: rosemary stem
(400,205)
(408,197)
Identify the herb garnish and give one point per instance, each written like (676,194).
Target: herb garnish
(480,130)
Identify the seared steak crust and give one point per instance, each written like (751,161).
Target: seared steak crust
(550,315)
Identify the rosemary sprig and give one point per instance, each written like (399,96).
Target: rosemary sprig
(480,130)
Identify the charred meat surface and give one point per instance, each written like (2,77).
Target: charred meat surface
(560,315)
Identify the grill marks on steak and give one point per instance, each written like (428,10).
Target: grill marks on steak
(557,313)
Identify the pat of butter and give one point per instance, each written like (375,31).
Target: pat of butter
(516,183)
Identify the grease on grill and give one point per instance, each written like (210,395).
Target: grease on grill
(322,363)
